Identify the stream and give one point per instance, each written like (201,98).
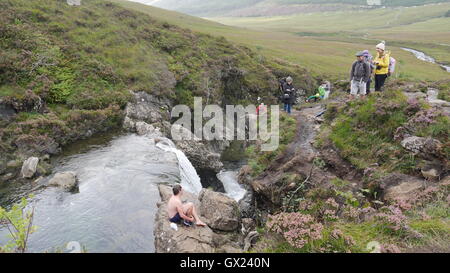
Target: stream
(423,57)
(115,207)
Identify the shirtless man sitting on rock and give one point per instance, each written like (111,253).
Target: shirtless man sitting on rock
(178,211)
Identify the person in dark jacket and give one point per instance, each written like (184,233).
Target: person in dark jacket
(359,76)
(288,95)
(369,60)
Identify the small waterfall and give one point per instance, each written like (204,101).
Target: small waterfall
(190,180)
(231,185)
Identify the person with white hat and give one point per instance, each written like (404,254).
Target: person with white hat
(381,63)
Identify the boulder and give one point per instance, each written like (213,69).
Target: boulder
(184,239)
(147,108)
(200,155)
(432,95)
(65,180)
(204,155)
(220,211)
(29,167)
(143,128)
(400,186)
(426,147)
(403,191)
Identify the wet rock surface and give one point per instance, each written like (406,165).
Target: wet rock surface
(66,180)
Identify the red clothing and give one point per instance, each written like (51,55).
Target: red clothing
(260,108)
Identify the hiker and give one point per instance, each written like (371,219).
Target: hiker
(261,109)
(320,95)
(369,59)
(288,95)
(382,66)
(359,76)
(178,211)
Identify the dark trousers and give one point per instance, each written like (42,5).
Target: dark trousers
(368,86)
(287,107)
(379,81)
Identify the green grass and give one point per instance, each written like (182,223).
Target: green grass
(363,131)
(329,40)
(260,160)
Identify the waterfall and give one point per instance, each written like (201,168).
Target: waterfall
(232,187)
(190,180)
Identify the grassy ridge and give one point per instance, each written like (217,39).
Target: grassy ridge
(325,56)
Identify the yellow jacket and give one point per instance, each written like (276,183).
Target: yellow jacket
(383,63)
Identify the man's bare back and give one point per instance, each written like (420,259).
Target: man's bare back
(178,211)
(172,205)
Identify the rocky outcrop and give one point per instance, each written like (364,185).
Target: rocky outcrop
(432,97)
(196,239)
(400,186)
(147,108)
(426,147)
(66,180)
(220,211)
(29,167)
(30,102)
(204,155)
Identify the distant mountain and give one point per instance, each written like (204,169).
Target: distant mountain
(211,8)
(202,7)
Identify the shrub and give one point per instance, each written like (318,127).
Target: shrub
(298,229)
(19,222)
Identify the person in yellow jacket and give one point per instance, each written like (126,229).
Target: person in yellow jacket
(381,63)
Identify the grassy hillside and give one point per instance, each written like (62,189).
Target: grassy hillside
(324,56)
(423,28)
(67,71)
(278,7)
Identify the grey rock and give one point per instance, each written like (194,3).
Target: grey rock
(65,180)
(397,186)
(29,167)
(147,108)
(404,191)
(425,146)
(220,211)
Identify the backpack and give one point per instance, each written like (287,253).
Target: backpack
(392,63)
(281,82)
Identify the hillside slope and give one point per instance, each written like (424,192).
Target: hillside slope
(326,57)
(66,72)
(270,7)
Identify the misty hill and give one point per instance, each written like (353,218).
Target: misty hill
(272,7)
